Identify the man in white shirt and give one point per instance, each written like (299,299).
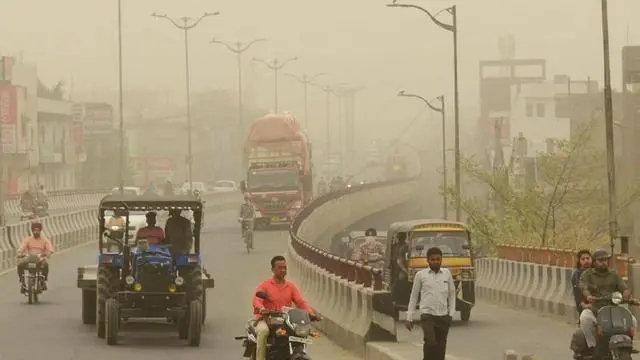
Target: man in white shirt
(437,294)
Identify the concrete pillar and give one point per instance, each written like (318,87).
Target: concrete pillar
(510,355)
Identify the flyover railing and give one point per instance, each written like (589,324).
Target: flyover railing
(345,268)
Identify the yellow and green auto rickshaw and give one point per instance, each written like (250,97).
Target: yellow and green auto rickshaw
(453,239)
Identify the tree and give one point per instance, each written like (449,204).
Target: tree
(565,208)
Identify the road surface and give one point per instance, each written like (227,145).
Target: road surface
(53,330)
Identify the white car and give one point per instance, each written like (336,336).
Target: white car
(128,190)
(196,185)
(225,186)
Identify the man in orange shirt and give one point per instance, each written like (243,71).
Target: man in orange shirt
(280,293)
(37,245)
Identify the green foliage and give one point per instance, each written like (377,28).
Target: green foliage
(567,207)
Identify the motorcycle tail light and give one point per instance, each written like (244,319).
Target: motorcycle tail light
(281,332)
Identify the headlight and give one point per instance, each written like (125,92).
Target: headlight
(129,280)
(137,287)
(302,330)
(179,280)
(616,298)
(115,228)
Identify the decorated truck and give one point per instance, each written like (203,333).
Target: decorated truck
(277,158)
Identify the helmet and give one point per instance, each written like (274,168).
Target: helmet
(601,254)
(370,232)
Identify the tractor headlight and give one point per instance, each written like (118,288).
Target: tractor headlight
(179,280)
(172,288)
(129,280)
(137,287)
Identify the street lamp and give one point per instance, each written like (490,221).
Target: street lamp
(120,96)
(608,111)
(441,110)
(454,29)
(275,65)
(305,80)
(238,48)
(328,91)
(187,24)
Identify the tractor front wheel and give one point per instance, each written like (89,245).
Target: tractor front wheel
(112,315)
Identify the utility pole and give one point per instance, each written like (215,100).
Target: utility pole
(328,91)
(276,66)
(187,24)
(453,28)
(120,96)
(608,109)
(239,48)
(305,80)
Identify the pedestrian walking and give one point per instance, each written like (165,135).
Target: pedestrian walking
(434,285)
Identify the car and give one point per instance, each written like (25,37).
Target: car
(225,186)
(196,186)
(128,190)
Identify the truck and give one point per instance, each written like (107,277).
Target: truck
(277,159)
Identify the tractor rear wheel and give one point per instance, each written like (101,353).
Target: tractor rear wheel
(195,322)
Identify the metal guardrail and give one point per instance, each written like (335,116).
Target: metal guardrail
(342,267)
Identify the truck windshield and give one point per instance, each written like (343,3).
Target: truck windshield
(450,242)
(273,180)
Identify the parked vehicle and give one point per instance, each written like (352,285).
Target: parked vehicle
(225,186)
(289,334)
(136,279)
(38,210)
(128,190)
(615,328)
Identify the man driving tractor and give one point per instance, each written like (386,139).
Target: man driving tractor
(152,233)
(37,245)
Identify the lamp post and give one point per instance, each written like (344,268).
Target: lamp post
(608,112)
(238,48)
(441,110)
(120,96)
(305,80)
(275,65)
(186,25)
(328,91)
(453,28)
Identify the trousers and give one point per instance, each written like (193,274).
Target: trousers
(435,330)
(262,334)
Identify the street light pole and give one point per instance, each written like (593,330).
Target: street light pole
(608,109)
(453,28)
(276,66)
(328,91)
(187,24)
(441,110)
(120,96)
(238,48)
(305,80)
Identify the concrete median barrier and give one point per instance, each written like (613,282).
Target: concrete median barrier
(544,289)
(78,227)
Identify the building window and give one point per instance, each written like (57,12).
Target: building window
(529,110)
(540,110)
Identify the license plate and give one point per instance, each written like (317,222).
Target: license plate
(31,265)
(300,340)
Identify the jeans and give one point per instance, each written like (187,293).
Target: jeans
(435,330)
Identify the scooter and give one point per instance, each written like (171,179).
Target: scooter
(289,332)
(615,325)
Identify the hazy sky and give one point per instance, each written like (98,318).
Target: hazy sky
(360,42)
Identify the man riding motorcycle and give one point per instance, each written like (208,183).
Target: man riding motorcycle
(371,251)
(599,282)
(37,245)
(280,293)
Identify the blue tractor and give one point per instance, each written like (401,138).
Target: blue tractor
(138,276)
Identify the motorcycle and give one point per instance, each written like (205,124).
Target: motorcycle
(36,211)
(615,325)
(33,279)
(289,332)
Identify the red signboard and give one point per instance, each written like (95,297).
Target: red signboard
(8,105)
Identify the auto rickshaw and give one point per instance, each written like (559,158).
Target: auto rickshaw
(453,238)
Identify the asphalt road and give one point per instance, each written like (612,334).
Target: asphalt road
(53,329)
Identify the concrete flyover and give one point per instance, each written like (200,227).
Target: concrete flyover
(350,297)
(354,303)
